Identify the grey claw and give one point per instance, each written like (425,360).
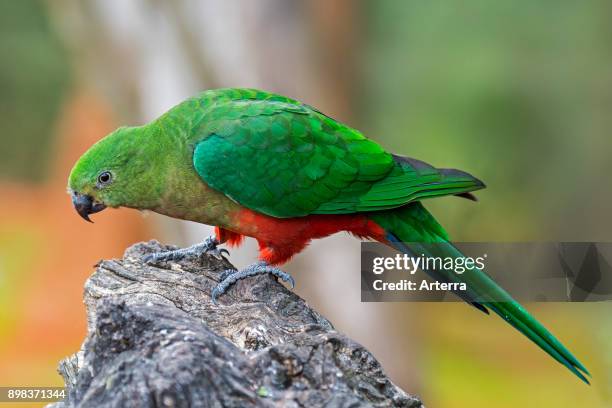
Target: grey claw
(210,247)
(288,278)
(214,294)
(218,253)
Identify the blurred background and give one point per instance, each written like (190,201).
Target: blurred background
(518,93)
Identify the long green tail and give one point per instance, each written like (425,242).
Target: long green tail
(412,227)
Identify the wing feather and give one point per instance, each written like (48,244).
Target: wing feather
(286,159)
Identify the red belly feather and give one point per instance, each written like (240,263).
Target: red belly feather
(281,238)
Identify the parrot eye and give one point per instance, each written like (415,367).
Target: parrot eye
(105,178)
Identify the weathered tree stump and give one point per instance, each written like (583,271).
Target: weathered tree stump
(156,339)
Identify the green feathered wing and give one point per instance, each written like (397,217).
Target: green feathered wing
(285,159)
(288,160)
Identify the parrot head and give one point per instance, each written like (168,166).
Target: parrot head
(108,174)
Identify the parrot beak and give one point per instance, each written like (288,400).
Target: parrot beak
(85,205)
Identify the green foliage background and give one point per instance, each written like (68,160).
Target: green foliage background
(519,93)
(34,75)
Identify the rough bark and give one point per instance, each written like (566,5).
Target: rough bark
(155,339)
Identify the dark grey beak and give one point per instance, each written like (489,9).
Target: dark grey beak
(85,205)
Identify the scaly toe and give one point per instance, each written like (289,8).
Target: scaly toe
(208,246)
(226,273)
(162,256)
(231,276)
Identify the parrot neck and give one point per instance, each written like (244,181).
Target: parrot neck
(179,190)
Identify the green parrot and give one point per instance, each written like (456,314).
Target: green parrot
(262,165)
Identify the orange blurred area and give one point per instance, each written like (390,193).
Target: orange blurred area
(49,251)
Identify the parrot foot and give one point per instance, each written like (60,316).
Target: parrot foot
(208,246)
(231,276)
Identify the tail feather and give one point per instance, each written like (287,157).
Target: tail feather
(498,300)
(410,229)
(398,244)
